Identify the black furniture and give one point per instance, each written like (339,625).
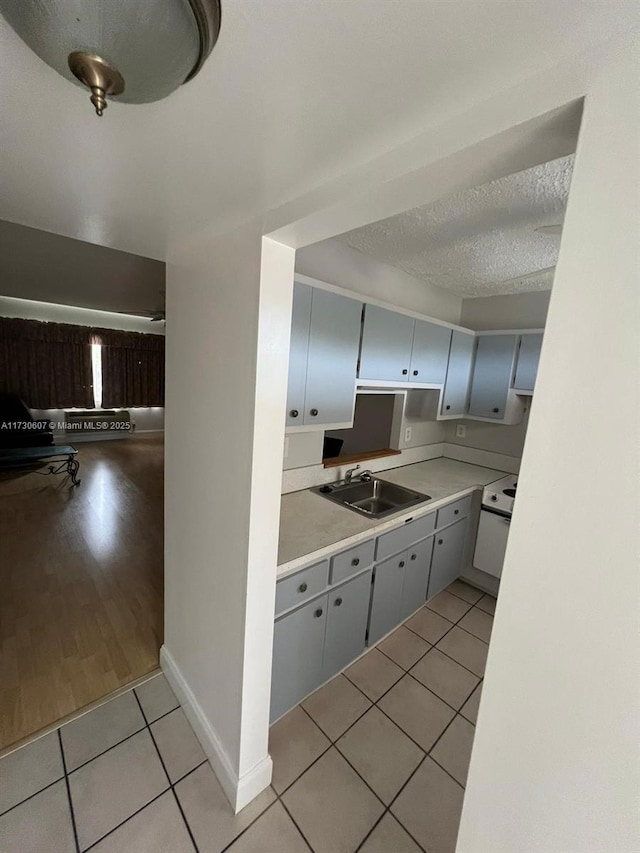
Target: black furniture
(18,427)
(63,459)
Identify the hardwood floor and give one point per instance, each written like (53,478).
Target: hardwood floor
(81,582)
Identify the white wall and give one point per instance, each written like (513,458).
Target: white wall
(336,263)
(515,311)
(555,764)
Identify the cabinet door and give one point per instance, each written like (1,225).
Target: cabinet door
(416,577)
(386,596)
(448,550)
(386,345)
(334,340)
(298,351)
(430,353)
(347,612)
(298,641)
(492,373)
(456,388)
(528,359)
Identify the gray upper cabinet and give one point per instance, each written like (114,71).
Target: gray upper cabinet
(325,337)
(448,550)
(430,353)
(386,345)
(347,613)
(492,373)
(528,358)
(298,352)
(416,577)
(456,388)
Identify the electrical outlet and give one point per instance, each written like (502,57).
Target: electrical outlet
(407,435)
(461,431)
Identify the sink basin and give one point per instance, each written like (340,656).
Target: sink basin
(373,498)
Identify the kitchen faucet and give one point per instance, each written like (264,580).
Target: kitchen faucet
(349,474)
(366,476)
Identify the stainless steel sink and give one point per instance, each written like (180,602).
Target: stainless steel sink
(373,498)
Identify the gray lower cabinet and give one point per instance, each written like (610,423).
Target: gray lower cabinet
(456,387)
(298,646)
(430,353)
(386,345)
(492,374)
(448,550)
(528,358)
(347,612)
(386,598)
(416,577)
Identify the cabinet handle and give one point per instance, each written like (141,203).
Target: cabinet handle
(447,407)
(404,372)
(414,556)
(294,413)
(302,587)
(313,413)
(415,372)
(496,410)
(401,564)
(318,613)
(440,541)
(355,561)
(456,511)
(338,602)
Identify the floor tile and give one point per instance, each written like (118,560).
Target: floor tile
(429,625)
(466,649)
(478,623)
(449,606)
(445,677)
(29,769)
(381,753)
(100,729)
(488,604)
(336,706)
(404,647)
(179,747)
(470,708)
(156,697)
(208,813)
(273,832)
(332,806)
(465,591)
(158,828)
(389,837)
(429,808)
(39,825)
(374,674)
(294,743)
(109,789)
(417,711)
(453,750)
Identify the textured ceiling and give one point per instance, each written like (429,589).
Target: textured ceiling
(295,94)
(480,242)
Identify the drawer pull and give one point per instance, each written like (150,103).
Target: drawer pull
(294,413)
(302,588)
(318,613)
(415,372)
(313,413)
(338,602)
(401,564)
(355,561)
(496,410)
(414,556)
(456,511)
(404,372)
(440,541)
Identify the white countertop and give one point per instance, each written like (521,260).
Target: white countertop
(311,527)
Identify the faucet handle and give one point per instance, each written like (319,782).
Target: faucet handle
(349,473)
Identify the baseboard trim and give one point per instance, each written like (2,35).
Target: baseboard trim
(238,790)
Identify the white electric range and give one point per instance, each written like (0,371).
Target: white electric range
(498,499)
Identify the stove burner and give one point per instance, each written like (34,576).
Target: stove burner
(510,493)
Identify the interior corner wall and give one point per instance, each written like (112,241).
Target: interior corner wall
(555,763)
(336,263)
(512,311)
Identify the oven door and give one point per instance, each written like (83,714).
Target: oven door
(491,542)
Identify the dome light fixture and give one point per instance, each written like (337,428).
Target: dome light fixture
(137,51)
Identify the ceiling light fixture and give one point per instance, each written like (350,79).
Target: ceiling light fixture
(141,51)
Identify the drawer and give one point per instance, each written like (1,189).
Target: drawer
(303,585)
(454,511)
(354,560)
(403,537)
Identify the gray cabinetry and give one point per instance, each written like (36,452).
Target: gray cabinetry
(298,645)
(528,358)
(347,612)
(386,345)
(492,373)
(386,598)
(448,550)
(298,352)
(416,577)
(456,388)
(430,353)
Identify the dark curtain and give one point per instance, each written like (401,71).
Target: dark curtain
(132,368)
(47,364)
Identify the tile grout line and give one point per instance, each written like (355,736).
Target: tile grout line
(68,787)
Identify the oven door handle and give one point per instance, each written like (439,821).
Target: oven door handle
(502,513)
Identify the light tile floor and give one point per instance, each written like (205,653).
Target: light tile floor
(375,761)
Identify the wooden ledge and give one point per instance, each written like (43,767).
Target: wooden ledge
(336,461)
